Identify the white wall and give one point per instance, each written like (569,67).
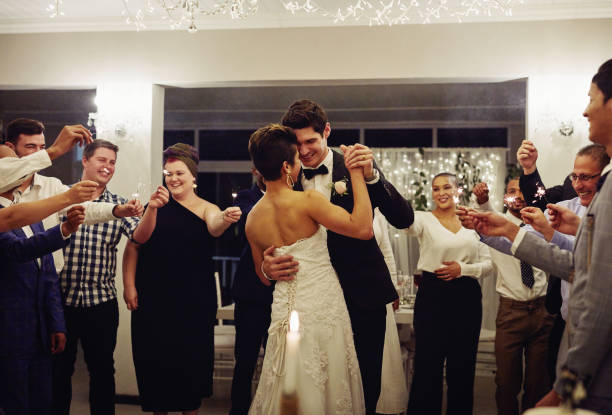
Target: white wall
(559,58)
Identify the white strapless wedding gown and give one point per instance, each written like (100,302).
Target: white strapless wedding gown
(329,381)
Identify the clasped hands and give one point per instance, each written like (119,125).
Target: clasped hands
(359,156)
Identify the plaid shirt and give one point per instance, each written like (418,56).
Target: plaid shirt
(88,277)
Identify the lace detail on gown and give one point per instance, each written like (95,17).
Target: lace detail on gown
(329,380)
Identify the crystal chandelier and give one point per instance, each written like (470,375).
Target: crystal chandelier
(393,12)
(183,13)
(54,9)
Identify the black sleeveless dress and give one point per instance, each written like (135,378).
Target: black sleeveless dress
(173,327)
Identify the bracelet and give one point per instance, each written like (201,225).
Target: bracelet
(264,273)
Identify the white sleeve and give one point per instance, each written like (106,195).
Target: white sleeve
(416,229)
(382,237)
(14,171)
(481,267)
(95,212)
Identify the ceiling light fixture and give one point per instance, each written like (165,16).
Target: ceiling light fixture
(392,12)
(55,9)
(182,14)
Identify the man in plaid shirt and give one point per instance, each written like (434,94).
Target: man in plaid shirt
(89,294)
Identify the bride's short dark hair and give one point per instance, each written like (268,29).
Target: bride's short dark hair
(270,146)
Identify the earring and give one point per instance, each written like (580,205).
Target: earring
(290,181)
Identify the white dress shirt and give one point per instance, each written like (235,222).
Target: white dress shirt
(43,187)
(509,280)
(321,182)
(14,171)
(438,244)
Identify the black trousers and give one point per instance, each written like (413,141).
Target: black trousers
(447,319)
(369,336)
(252,321)
(96,327)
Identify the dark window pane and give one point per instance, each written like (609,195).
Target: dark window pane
(472,137)
(217,188)
(224,144)
(172,137)
(399,137)
(338,137)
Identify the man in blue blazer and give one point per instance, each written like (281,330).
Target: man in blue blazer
(32,324)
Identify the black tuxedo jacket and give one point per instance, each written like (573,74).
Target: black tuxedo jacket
(360,265)
(529,186)
(247,287)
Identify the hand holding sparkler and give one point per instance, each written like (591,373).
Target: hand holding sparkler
(527,155)
(463,213)
(563,220)
(535,217)
(481,191)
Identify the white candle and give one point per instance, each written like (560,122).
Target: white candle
(292,355)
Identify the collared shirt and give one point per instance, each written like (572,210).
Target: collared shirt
(14,171)
(509,280)
(43,187)
(88,278)
(321,182)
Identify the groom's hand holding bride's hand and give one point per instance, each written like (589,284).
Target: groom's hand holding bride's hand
(281,268)
(359,156)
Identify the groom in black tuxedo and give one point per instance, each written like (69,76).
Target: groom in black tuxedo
(360,265)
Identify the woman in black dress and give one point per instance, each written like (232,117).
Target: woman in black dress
(173,295)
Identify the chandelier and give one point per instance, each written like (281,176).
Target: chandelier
(393,12)
(183,13)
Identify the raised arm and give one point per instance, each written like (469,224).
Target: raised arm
(24,214)
(14,171)
(383,195)
(357,224)
(146,226)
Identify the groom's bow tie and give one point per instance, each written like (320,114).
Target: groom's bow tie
(310,173)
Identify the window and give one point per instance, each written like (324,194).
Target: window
(472,137)
(399,137)
(224,144)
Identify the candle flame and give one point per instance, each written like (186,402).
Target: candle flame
(165,172)
(294,322)
(456,199)
(234,194)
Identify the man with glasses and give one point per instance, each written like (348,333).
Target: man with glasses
(588,165)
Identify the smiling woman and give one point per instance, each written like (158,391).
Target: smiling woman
(448,308)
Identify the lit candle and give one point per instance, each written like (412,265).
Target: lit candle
(234,195)
(291,357)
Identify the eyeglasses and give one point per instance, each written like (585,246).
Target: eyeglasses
(582,177)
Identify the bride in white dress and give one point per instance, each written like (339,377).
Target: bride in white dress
(329,381)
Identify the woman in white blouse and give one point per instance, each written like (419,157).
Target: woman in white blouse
(448,308)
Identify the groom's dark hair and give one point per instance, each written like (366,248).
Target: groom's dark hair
(603,79)
(269,147)
(305,113)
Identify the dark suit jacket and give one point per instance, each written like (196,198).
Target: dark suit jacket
(30,300)
(529,186)
(247,287)
(360,265)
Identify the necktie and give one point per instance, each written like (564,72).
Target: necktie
(310,173)
(527,272)
(601,181)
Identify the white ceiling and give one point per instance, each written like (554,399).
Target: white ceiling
(31,16)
